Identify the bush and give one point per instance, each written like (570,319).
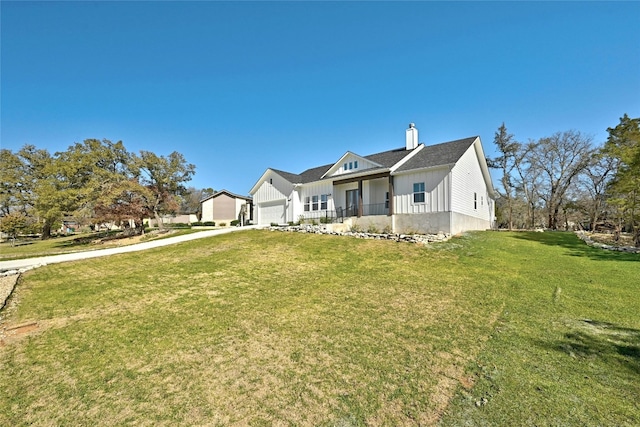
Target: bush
(235,223)
(177,225)
(372,229)
(355,228)
(196,224)
(223,224)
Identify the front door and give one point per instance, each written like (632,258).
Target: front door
(353,199)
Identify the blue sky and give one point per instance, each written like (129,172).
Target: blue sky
(238,87)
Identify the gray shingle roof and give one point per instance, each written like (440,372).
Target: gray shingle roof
(388,158)
(430,156)
(446,153)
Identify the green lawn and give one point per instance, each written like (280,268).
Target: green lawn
(270,328)
(34,247)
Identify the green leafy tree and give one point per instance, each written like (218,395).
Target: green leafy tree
(164,178)
(87,172)
(12,224)
(623,146)
(14,191)
(43,186)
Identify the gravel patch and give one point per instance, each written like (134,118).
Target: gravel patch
(7,283)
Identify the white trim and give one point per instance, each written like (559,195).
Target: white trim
(406,158)
(338,164)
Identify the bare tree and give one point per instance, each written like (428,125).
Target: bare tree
(506,162)
(592,182)
(528,181)
(559,159)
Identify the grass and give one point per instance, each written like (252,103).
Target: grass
(34,247)
(267,328)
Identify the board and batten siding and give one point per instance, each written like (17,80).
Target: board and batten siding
(437,184)
(274,187)
(314,189)
(468,180)
(363,164)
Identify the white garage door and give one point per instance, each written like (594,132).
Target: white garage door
(271,213)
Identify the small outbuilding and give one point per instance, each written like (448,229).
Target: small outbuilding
(224,206)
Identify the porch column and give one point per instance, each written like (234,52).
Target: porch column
(391,210)
(360,207)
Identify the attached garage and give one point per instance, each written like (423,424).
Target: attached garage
(272,212)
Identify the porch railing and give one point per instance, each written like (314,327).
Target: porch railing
(329,216)
(367,210)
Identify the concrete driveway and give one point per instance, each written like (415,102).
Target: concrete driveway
(52,259)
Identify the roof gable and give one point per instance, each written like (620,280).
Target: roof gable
(349,163)
(227,193)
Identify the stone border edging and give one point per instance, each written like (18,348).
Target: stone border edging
(585,238)
(410,238)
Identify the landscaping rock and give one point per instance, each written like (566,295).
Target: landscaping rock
(585,238)
(321,229)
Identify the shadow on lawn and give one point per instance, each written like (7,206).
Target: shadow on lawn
(606,341)
(576,246)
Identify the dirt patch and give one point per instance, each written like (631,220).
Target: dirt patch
(11,333)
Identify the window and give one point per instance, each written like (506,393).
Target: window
(418,192)
(345,166)
(350,165)
(323,201)
(315,203)
(481,200)
(475,200)
(306,204)
(355,164)
(386,200)
(271,181)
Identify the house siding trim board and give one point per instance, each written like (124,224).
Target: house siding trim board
(427,189)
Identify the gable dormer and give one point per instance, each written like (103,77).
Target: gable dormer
(350,163)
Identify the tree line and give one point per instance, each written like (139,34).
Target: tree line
(565,181)
(93,182)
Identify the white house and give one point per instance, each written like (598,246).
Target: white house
(224,207)
(428,189)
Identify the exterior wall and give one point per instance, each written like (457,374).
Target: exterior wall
(462,223)
(207,210)
(437,186)
(273,188)
(363,164)
(468,180)
(177,219)
(313,189)
(222,208)
(429,223)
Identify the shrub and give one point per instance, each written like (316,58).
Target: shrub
(196,224)
(209,223)
(177,225)
(223,224)
(372,229)
(235,223)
